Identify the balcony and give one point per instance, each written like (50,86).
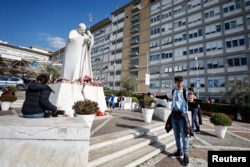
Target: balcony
(134,19)
(134,41)
(133,66)
(134,30)
(133,54)
(136,9)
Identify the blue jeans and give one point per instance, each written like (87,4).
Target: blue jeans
(194,118)
(179,133)
(40,115)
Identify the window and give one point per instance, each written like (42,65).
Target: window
(193,4)
(167,14)
(180,52)
(213,28)
(211,12)
(154,70)
(135,38)
(180,9)
(247,2)
(180,67)
(154,57)
(233,23)
(166,27)
(193,65)
(195,33)
(155,7)
(154,43)
(166,83)
(134,62)
(168,68)
(135,50)
(195,49)
(180,23)
(214,45)
(231,6)
(215,63)
(166,2)
(154,84)
(155,31)
(166,55)
(134,73)
(194,18)
(216,83)
(235,42)
(180,37)
(248,20)
(237,61)
(166,40)
(155,19)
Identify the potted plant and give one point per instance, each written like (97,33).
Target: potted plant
(86,109)
(6,100)
(221,121)
(147,112)
(135,102)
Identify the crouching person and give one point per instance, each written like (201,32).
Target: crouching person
(37,99)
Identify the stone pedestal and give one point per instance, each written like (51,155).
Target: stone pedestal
(66,94)
(60,141)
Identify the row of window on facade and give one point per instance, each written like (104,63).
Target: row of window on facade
(230,24)
(210,82)
(233,61)
(193,5)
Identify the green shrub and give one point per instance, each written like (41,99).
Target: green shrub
(148,101)
(12,88)
(221,119)
(8,97)
(85,107)
(135,99)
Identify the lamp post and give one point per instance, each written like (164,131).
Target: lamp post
(114,76)
(197,78)
(147,76)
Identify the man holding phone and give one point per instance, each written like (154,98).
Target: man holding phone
(193,106)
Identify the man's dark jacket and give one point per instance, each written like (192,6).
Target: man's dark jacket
(37,99)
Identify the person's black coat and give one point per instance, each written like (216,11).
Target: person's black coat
(37,99)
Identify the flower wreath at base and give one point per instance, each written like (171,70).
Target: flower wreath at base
(87,79)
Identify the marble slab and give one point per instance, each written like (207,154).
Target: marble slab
(61,141)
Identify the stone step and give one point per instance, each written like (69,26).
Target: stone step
(139,156)
(111,147)
(112,138)
(17,104)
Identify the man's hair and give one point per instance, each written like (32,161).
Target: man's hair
(42,78)
(191,89)
(178,78)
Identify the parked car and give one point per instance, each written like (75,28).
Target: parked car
(6,80)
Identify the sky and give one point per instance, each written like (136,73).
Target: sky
(46,23)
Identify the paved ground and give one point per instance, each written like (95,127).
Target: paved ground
(237,137)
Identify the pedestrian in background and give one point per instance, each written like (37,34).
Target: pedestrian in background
(112,101)
(193,106)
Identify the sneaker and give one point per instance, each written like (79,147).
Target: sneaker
(177,154)
(185,160)
(197,131)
